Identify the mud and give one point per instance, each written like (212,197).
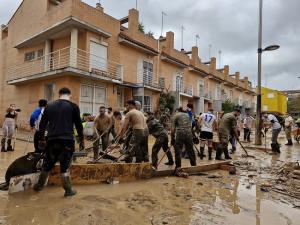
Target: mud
(210,198)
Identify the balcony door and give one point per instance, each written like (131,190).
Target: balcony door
(147,73)
(179,83)
(98,57)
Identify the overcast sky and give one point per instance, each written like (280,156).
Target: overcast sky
(229,26)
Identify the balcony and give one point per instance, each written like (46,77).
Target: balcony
(66,61)
(183,89)
(150,80)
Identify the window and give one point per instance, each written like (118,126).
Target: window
(230,95)
(120,97)
(147,104)
(91,98)
(218,92)
(40,53)
(270,95)
(201,88)
(49,92)
(179,83)
(147,73)
(29,56)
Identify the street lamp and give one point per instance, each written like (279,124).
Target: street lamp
(260,50)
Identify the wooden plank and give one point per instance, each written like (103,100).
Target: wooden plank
(192,169)
(96,173)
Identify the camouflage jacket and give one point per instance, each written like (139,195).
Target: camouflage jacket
(181,121)
(228,123)
(155,127)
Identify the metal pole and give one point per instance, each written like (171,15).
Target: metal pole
(182,29)
(136,4)
(209,49)
(197,37)
(220,52)
(258,104)
(162,22)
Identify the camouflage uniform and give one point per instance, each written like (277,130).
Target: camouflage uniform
(227,125)
(165,119)
(138,146)
(159,132)
(183,136)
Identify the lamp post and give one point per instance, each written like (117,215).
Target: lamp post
(260,50)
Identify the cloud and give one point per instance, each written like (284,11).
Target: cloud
(230,26)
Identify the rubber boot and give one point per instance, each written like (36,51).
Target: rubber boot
(273,147)
(290,142)
(209,153)
(66,182)
(201,153)
(226,153)
(9,147)
(42,181)
(233,150)
(219,153)
(277,148)
(3,145)
(170,159)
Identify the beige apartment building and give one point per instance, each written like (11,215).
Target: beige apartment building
(49,44)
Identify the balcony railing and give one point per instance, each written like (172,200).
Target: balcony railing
(183,88)
(68,57)
(150,79)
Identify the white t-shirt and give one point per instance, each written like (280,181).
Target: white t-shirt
(288,121)
(207,122)
(276,124)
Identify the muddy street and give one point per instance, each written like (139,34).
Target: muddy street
(213,197)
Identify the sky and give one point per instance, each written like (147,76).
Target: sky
(229,26)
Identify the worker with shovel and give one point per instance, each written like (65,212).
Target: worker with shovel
(102,126)
(227,126)
(161,135)
(59,118)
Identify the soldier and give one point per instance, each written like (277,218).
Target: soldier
(165,118)
(227,126)
(208,124)
(102,126)
(138,144)
(181,134)
(160,133)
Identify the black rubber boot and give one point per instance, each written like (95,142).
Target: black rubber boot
(3,145)
(209,153)
(290,142)
(42,181)
(170,159)
(9,147)
(226,153)
(277,148)
(233,150)
(66,182)
(273,147)
(219,153)
(201,153)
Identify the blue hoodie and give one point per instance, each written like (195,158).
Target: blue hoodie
(35,116)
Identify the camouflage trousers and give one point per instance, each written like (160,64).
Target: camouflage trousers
(138,146)
(288,131)
(184,138)
(224,139)
(161,142)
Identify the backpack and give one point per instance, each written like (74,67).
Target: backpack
(280,119)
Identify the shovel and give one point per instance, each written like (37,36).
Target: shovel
(247,155)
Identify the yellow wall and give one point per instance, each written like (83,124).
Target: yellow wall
(273,100)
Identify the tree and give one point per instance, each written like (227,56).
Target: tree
(228,106)
(293,106)
(166,101)
(141,28)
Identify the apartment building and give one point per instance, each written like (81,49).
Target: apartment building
(48,44)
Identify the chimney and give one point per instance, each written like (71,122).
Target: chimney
(212,66)
(237,76)
(170,40)
(99,7)
(133,20)
(195,56)
(226,70)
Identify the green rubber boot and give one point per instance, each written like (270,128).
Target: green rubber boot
(66,182)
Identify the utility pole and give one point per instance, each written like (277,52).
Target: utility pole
(182,29)
(197,38)
(162,23)
(220,52)
(209,49)
(136,4)
(258,101)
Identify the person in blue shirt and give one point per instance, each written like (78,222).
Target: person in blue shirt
(35,119)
